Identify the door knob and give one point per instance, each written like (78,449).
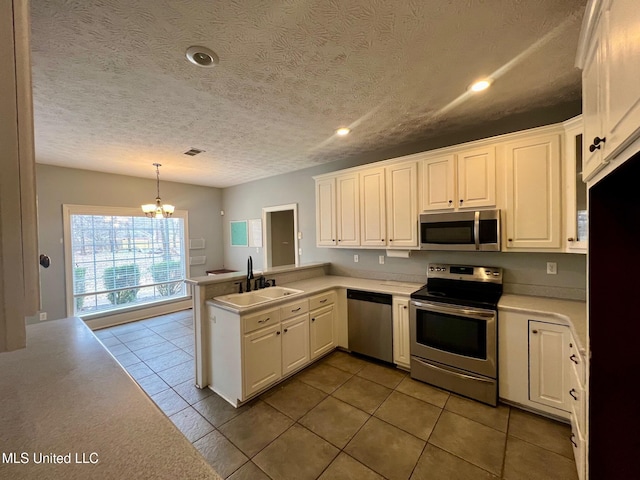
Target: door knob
(45,261)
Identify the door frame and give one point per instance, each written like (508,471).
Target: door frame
(266,236)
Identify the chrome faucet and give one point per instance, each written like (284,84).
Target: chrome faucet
(249,273)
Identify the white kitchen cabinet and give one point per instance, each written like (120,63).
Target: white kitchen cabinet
(348,210)
(323,323)
(373,214)
(438,183)
(459,180)
(519,363)
(476,180)
(402,205)
(533,174)
(262,364)
(548,355)
(401,345)
(326,235)
(295,344)
(575,212)
(609,55)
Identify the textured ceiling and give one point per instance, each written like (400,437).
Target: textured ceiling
(114,92)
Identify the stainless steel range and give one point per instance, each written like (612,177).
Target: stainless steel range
(454,330)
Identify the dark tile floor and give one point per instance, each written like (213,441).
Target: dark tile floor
(341,418)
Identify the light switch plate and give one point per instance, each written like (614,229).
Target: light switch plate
(381,259)
(356,258)
(552,268)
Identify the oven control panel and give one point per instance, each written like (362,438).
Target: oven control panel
(470,273)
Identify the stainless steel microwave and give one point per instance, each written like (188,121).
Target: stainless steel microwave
(471,231)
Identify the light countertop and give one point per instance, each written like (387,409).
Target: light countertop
(66,395)
(570,312)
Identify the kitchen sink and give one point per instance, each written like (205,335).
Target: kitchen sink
(256,297)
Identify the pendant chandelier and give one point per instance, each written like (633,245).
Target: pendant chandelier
(158,210)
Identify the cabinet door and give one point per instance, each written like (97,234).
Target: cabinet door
(373,216)
(476,178)
(548,362)
(401,354)
(326,212)
(533,193)
(575,219)
(321,331)
(262,359)
(348,210)
(622,61)
(593,91)
(438,187)
(402,205)
(295,344)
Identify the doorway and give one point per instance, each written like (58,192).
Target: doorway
(281,238)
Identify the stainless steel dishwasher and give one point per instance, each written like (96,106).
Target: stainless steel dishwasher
(370,324)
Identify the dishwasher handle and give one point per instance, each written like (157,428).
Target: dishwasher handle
(373,297)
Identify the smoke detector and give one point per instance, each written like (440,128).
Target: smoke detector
(202,57)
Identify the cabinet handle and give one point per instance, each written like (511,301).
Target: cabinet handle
(265,320)
(593,148)
(571,392)
(570,239)
(295,309)
(571,438)
(598,140)
(534,331)
(574,359)
(570,345)
(324,301)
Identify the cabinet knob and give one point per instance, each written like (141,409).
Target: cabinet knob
(598,140)
(450,202)
(391,239)
(278,332)
(593,148)
(286,330)
(534,331)
(509,239)
(404,306)
(461,200)
(570,239)
(313,319)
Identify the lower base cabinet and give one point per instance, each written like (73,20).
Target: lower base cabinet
(401,345)
(249,353)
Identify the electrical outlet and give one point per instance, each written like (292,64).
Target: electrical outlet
(43,316)
(381,259)
(356,259)
(552,268)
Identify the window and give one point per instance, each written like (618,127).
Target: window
(116,259)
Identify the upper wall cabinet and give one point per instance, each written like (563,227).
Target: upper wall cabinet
(609,55)
(402,208)
(348,210)
(466,179)
(373,206)
(575,201)
(533,215)
(326,212)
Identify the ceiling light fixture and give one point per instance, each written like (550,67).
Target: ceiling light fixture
(158,210)
(480,86)
(202,57)
(343,131)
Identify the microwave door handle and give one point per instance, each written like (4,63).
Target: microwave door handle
(476,229)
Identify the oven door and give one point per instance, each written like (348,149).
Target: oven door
(461,337)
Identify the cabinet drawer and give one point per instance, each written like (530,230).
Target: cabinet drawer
(294,309)
(265,318)
(579,450)
(322,300)
(577,361)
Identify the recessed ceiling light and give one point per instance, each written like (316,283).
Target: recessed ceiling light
(480,86)
(343,131)
(202,57)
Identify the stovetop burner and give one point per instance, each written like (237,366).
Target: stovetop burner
(479,287)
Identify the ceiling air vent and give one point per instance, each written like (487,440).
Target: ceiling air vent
(193,152)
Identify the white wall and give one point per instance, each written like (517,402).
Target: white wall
(57,186)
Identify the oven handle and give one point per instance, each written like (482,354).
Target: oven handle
(454,310)
(476,229)
(450,372)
